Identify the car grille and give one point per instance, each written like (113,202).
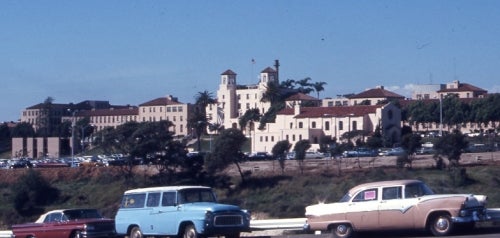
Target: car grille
(228,220)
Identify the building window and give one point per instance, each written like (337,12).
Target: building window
(291,125)
(341,125)
(300,125)
(180,109)
(327,125)
(313,124)
(169,109)
(354,125)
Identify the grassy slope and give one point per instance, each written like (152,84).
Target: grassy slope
(272,195)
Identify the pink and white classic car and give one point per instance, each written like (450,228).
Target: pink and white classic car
(396,205)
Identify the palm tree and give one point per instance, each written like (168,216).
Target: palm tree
(304,85)
(318,86)
(203,99)
(199,121)
(272,93)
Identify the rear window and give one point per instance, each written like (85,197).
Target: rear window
(133,200)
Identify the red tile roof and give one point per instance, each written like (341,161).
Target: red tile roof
(228,72)
(377,93)
(301,97)
(163,101)
(316,112)
(268,70)
(110,112)
(463,87)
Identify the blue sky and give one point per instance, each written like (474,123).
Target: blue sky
(129,52)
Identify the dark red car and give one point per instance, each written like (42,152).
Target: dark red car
(69,223)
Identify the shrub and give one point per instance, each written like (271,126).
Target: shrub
(32,193)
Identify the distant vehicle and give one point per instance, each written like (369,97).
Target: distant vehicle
(179,211)
(396,205)
(260,156)
(360,152)
(478,148)
(50,163)
(20,163)
(314,155)
(397,151)
(425,151)
(68,223)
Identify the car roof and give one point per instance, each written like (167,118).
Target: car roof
(383,183)
(165,188)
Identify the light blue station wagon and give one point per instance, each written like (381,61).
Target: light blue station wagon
(187,211)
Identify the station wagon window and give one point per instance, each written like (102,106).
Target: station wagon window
(153,200)
(168,199)
(391,193)
(196,195)
(417,190)
(133,200)
(366,195)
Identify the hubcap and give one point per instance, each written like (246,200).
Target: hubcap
(341,229)
(442,224)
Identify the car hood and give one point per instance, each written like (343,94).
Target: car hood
(470,200)
(210,206)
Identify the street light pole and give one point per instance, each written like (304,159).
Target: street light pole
(73,139)
(440,115)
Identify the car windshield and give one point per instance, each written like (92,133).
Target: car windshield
(345,198)
(82,214)
(196,195)
(417,190)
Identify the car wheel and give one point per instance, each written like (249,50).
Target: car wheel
(342,231)
(76,234)
(135,233)
(441,225)
(190,232)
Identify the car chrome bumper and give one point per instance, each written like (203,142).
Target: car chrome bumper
(475,217)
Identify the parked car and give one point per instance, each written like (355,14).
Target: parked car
(181,211)
(397,151)
(72,223)
(314,155)
(360,152)
(425,151)
(20,163)
(396,205)
(258,156)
